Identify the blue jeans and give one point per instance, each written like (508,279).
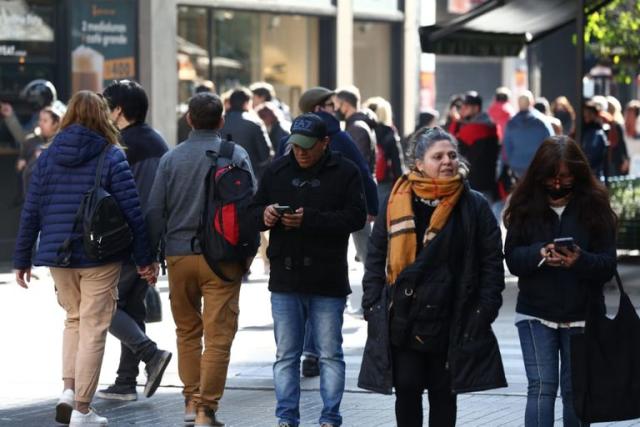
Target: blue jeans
(290,312)
(543,348)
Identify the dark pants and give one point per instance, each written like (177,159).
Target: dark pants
(131,294)
(415,371)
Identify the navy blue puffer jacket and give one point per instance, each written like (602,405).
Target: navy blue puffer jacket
(64,172)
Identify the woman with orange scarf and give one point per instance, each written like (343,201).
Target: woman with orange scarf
(432,287)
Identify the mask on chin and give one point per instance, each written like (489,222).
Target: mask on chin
(559,193)
(339,115)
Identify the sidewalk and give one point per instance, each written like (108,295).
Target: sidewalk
(31,357)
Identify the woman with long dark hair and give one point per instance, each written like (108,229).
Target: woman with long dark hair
(561,245)
(432,287)
(86,287)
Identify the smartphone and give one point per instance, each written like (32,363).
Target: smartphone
(283,209)
(564,242)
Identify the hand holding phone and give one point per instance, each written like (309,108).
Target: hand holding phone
(566,250)
(283,209)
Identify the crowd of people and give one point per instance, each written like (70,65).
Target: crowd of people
(424,214)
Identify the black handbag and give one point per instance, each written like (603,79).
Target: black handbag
(605,364)
(154,305)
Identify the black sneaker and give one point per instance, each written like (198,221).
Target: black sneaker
(118,392)
(206,417)
(310,367)
(155,369)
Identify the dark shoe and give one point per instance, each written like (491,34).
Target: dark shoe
(155,369)
(206,417)
(327,425)
(285,424)
(118,392)
(64,406)
(310,367)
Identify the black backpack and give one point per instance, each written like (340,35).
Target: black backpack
(105,231)
(225,233)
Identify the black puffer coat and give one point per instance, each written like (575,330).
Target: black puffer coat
(473,355)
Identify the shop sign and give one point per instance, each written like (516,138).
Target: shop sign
(368,6)
(25,29)
(104,36)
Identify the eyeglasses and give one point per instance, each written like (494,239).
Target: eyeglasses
(329,104)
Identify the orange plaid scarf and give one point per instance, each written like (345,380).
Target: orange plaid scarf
(401,225)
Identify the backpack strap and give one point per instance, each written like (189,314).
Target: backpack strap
(226,149)
(96,183)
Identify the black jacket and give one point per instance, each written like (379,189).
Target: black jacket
(473,354)
(479,145)
(552,293)
(313,258)
(248,131)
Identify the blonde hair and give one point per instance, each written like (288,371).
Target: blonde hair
(90,109)
(382,108)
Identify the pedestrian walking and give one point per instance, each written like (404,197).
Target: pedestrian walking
(524,133)
(247,130)
(618,155)
(561,109)
(86,287)
(144,146)
(360,127)
(561,246)
(594,140)
(501,111)
(319,100)
(389,156)
(432,288)
(478,143)
(632,134)
(310,200)
(542,105)
(175,210)
(48,125)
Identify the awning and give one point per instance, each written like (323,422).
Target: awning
(501,27)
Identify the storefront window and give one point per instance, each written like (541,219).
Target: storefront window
(193,56)
(372,58)
(27,36)
(251,46)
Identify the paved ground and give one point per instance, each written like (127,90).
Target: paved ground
(30,362)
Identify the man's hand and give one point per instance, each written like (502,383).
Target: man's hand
(271,216)
(6,110)
(149,273)
(20,277)
(293,220)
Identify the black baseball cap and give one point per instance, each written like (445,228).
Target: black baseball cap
(306,130)
(472,98)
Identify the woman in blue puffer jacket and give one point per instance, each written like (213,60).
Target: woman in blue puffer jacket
(86,288)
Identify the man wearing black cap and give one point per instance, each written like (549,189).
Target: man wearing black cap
(311,200)
(479,144)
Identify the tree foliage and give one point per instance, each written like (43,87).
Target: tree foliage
(612,34)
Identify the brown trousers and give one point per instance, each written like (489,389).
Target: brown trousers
(191,281)
(89,296)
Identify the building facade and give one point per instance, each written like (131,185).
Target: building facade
(171,45)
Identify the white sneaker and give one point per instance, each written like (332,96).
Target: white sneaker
(65,406)
(88,419)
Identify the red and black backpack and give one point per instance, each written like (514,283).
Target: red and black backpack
(225,233)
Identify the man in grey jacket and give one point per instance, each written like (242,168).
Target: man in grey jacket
(175,207)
